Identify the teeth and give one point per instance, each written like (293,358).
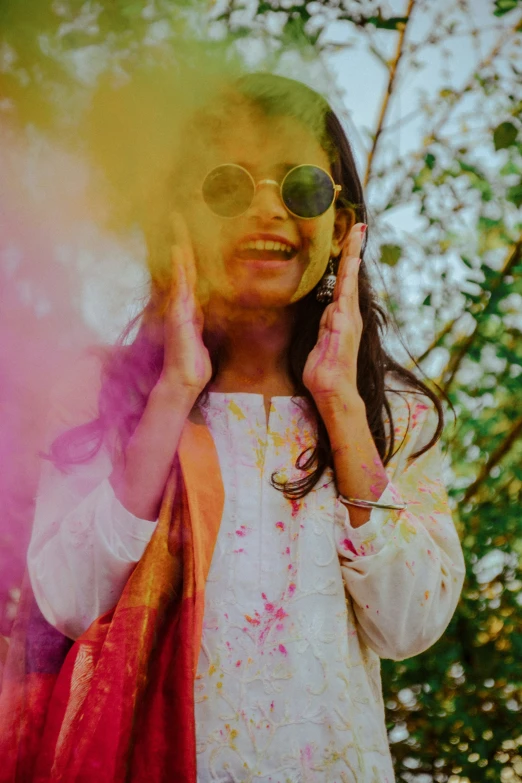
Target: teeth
(269,244)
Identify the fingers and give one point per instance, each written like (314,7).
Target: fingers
(179,284)
(346,292)
(355,240)
(183,242)
(352,246)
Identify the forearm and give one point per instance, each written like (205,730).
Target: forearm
(358,467)
(139,477)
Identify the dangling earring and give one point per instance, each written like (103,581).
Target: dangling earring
(327,284)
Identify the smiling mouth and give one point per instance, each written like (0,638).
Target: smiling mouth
(266,250)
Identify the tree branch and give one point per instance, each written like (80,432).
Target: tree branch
(500,452)
(438,339)
(389,90)
(457,95)
(448,375)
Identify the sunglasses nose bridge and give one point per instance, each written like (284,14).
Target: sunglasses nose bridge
(267,200)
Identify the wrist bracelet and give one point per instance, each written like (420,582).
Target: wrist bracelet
(371,504)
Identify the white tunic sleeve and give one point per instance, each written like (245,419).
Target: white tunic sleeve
(84,542)
(404,570)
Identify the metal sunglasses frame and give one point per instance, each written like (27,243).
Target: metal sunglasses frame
(336,189)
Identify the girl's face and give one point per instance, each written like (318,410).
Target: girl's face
(267,148)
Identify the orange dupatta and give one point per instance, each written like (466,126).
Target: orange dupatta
(121,708)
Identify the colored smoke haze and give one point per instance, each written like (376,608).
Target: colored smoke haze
(73,257)
(64,286)
(85,222)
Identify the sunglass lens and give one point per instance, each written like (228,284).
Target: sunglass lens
(228,190)
(308,191)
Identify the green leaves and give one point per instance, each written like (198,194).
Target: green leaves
(504,6)
(429,160)
(514,194)
(391,23)
(504,135)
(391,254)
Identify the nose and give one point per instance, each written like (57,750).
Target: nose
(267,203)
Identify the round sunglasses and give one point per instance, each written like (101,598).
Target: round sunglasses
(306,191)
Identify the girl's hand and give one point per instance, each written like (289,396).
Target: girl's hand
(186,363)
(330,372)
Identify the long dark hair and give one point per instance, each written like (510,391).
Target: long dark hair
(131,370)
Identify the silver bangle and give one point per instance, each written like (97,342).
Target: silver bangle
(371,503)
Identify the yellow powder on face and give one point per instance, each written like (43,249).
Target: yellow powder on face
(311,276)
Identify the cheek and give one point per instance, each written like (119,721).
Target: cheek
(207,247)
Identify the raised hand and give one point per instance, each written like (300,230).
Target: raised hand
(186,363)
(330,373)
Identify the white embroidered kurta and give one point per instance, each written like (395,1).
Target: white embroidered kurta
(299,605)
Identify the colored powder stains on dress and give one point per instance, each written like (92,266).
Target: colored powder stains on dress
(242,530)
(407,530)
(419,410)
(260,456)
(277,440)
(296,506)
(347,544)
(266,624)
(282,649)
(236,410)
(231,735)
(367,545)
(280,526)
(291,588)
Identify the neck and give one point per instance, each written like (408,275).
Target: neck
(253,348)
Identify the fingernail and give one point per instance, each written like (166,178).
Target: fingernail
(363,228)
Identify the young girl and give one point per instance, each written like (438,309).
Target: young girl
(305,506)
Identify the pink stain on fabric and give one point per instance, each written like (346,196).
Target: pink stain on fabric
(275,616)
(347,544)
(283,650)
(280,526)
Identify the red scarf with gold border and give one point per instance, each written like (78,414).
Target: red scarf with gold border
(120,707)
